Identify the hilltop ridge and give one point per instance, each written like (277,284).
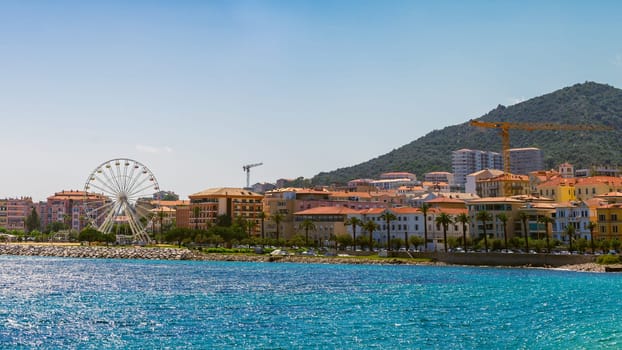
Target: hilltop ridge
(585,103)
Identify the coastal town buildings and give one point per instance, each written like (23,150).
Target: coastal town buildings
(504,185)
(494,206)
(467,161)
(14,211)
(70,207)
(578,215)
(206,206)
(287,201)
(327,222)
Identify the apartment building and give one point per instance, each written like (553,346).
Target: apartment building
(14,211)
(505,185)
(578,215)
(287,201)
(525,160)
(70,208)
(495,206)
(206,206)
(439,176)
(467,161)
(328,222)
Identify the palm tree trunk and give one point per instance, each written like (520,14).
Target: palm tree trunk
(445,237)
(505,236)
(464,242)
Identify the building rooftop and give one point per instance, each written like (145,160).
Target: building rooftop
(328,211)
(226,192)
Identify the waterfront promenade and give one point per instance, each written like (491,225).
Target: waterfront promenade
(575,263)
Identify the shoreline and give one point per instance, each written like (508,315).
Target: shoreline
(166,253)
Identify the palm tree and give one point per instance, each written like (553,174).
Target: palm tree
(591,226)
(444,220)
(484,216)
(354,221)
(570,230)
(262,217)
(463,218)
(307,225)
(523,218)
(387,216)
(250,226)
(504,220)
(370,226)
(424,209)
(195,212)
(277,218)
(546,220)
(161,218)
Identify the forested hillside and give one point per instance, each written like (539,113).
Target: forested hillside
(587,103)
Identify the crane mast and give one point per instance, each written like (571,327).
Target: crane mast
(247,169)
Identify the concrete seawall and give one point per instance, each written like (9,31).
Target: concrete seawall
(501,259)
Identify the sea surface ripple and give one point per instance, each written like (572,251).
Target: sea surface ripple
(52,303)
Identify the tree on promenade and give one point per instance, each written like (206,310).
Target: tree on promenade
(546,220)
(504,220)
(354,222)
(307,225)
(464,219)
(444,220)
(370,226)
(195,213)
(262,217)
(425,207)
(387,216)
(277,218)
(523,218)
(32,221)
(591,226)
(484,217)
(570,230)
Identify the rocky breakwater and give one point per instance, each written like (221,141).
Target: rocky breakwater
(98,252)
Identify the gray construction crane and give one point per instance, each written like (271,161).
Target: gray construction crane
(247,168)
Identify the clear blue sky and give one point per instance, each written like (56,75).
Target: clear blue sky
(196,89)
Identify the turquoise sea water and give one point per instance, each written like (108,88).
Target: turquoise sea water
(131,304)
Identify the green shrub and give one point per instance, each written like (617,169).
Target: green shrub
(229,251)
(608,259)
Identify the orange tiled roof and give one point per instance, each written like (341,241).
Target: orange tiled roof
(328,211)
(611,180)
(495,200)
(170,203)
(442,199)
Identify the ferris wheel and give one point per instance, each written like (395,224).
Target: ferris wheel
(118,198)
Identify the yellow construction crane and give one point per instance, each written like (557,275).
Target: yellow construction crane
(504,130)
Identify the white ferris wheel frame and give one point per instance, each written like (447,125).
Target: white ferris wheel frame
(122,182)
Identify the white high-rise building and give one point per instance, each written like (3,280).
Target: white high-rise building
(525,160)
(466,161)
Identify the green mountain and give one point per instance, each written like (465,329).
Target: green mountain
(589,103)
